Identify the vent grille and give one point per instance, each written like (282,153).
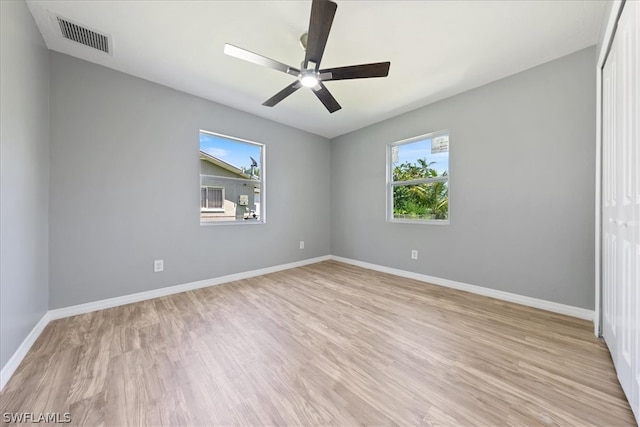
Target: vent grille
(83,35)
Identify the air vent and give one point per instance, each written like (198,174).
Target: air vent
(84,35)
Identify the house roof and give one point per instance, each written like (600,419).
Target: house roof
(227,166)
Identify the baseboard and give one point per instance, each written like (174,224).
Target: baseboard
(581,313)
(74,310)
(8,370)
(13,363)
(10,367)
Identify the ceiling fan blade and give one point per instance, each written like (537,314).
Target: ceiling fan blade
(326,98)
(364,71)
(282,94)
(322,13)
(249,56)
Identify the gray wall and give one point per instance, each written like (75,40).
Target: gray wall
(522,186)
(125,188)
(123,170)
(24,176)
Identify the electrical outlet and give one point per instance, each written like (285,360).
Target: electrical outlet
(414,254)
(158,266)
(301,244)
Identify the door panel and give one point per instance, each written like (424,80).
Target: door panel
(621,203)
(609,209)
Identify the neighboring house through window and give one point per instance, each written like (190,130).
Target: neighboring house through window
(231,179)
(418,179)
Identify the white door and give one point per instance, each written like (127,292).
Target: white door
(610,169)
(621,203)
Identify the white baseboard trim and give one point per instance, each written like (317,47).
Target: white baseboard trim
(74,310)
(10,367)
(581,313)
(8,370)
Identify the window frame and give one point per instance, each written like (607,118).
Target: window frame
(212,209)
(391,184)
(262,186)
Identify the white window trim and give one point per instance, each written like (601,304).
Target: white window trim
(391,183)
(263,184)
(214,210)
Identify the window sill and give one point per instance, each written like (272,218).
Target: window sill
(245,222)
(420,221)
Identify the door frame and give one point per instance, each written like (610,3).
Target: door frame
(604,47)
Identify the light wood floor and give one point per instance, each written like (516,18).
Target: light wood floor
(326,344)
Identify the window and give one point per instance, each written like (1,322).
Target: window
(211,199)
(231,180)
(418,179)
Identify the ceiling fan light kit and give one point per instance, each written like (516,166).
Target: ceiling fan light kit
(309,80)
(310,75)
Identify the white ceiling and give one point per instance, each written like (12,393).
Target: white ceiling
(436,48)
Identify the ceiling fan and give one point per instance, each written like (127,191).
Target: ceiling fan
(310,75)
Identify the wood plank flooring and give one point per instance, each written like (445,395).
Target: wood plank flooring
(326,344)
